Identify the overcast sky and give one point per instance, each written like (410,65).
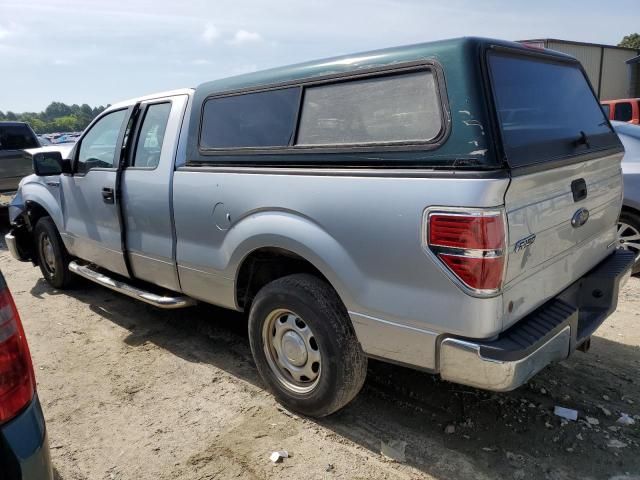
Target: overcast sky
(102,51)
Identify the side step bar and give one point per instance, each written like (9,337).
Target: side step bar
(160,301)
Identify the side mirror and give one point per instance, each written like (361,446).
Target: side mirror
(50,163)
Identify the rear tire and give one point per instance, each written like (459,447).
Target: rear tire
(304,345)
(52,255)
(629,235)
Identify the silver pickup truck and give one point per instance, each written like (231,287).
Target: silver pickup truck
(448,206)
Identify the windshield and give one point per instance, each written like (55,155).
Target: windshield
(546,110)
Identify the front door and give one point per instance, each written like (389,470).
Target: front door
(90,207)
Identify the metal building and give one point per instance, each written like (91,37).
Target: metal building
(606,65)
(634,76)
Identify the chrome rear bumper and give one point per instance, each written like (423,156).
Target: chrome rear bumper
(550,333)
(462,362)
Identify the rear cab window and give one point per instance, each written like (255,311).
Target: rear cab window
(546,109)
(17,137)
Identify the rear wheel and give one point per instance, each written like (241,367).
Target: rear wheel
(629,235)
(304,345)
(52,256)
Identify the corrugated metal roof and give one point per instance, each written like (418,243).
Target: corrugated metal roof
(589,57)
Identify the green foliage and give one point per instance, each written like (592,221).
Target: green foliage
(631,41)
(57,117)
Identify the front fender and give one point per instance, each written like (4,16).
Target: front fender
(16,206)
(33,189)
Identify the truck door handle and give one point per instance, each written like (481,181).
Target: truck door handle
(579,189)
(107,195)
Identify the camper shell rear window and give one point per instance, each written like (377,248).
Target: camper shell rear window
(546,109)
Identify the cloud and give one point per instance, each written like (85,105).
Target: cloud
(210,34)
(61,62)
(7,31)
(201,61)
(241,69)
(243,36)
(160,48)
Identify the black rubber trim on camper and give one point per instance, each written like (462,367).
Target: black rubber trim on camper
(583,306)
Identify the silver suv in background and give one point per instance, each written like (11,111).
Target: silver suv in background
(450,206)
(15,137)
(629,225)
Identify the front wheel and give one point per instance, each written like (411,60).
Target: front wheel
(304,345)
(629,236)
(52,256)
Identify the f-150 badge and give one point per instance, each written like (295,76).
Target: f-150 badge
(525,242)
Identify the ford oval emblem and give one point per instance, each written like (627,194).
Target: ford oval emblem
(580,218)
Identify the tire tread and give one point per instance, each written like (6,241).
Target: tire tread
(352,361)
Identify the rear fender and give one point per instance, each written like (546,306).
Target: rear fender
(297,234)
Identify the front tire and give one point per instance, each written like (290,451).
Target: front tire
(304,345)
(629,236)
(52,256)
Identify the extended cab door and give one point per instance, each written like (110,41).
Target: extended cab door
(146,191)
(90,207)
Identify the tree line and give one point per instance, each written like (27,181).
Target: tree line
(57,117)
(631,41)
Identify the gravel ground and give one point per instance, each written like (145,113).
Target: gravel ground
(132,392)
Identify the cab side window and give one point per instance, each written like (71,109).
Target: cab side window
(99,146)
(151,136)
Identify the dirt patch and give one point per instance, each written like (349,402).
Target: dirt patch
(130,391)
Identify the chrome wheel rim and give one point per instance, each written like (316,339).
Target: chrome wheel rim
(292,351)
(629,238)
(48,255)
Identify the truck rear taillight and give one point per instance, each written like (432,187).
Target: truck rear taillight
(470,245)
(17,382)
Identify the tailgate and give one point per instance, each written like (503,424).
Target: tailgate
(542,205)
(565,194)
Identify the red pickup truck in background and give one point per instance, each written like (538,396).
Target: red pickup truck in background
(623,110)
